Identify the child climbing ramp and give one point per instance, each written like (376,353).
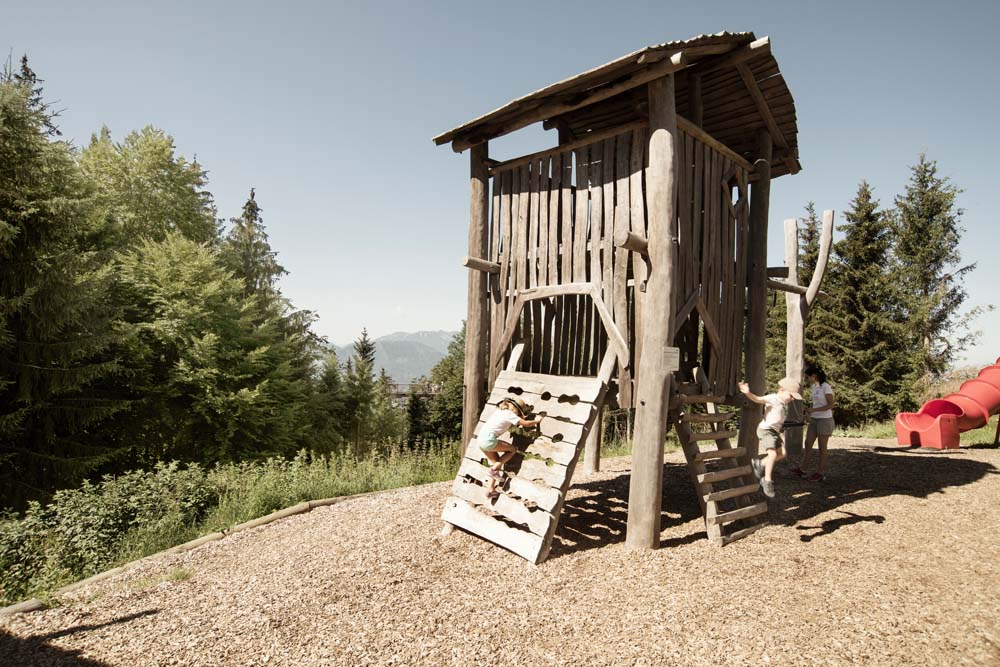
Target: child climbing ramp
(939,423)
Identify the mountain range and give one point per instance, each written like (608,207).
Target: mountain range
(405,356)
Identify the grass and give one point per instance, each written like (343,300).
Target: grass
(176,574)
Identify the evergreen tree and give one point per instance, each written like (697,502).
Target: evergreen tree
(55,311)
(359,394)
(388,421)
(444,409)
(417,425)
(211,380)
(928,233)
(248,253)
(328,415)
(859,339)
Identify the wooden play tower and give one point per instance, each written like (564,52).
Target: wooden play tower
(626,265)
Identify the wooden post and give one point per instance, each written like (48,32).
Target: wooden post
(760,191)
(798,306)
(477,318)
(592,450)
(654,375)
(794,336)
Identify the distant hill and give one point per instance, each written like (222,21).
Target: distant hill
(405,356)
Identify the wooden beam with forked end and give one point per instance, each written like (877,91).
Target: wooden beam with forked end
(765,112)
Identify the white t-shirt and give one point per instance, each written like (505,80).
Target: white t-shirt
(499,423)
(819,392)
(774,413)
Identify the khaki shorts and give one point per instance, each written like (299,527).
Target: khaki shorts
(769,438)
(820,426)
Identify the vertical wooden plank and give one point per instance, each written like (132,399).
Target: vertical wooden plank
(566,334)
(622,257)
(544,194)
(555,216)
(654,377)
(477,313)
(506,257)
(714,306)
(596,239)
(608,215)
(637,214)
(741,277)
(494,278)
(536,230)
(534,181)
(521,249)
(580,264)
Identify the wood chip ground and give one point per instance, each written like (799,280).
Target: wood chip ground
(894,560)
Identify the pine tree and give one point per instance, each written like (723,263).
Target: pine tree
(445,407)
(55,311)
(862,342)
(930,266)
(359,395)
(416,415)
(248,253)
(388,421)
(327,412)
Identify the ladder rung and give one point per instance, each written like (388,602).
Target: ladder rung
(719,475)
(698,418)
(720,454)
(743,532)
(700,398)
(742,513)
(713,435)
(725,494)
(689,388)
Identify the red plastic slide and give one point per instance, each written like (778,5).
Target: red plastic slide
(940,421)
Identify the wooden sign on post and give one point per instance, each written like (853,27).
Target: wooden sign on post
(671,359)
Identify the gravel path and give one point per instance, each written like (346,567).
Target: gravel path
(893,561)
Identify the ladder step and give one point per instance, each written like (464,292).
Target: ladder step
(716,496)
(688,388)
(720,454)
(713,435)
(699,398)
(742,513)
(743,532)
(698,418)
(719,475)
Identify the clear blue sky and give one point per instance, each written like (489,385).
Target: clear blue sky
(327,109)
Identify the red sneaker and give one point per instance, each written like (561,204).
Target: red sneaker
(816,477)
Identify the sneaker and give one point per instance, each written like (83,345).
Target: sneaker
(767,486)
(798,472)
(758,468)
(816,477)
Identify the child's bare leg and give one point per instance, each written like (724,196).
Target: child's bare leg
(773,456)
(499,459)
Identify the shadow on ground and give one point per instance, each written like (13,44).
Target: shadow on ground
(598,518)
(37,650)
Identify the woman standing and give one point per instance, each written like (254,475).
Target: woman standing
(820,424)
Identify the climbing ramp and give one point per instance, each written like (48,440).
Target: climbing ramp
(727,490)
(524,518)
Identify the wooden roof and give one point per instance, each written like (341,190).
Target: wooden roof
(742,92)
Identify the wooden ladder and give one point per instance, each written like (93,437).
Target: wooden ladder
(727,490)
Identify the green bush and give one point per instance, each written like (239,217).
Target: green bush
(92,528)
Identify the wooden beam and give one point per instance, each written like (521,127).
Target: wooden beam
(549,109)
(765,112)
(477,319)
(480,264)
(778,271)
(631,241)
(653,379)
(761,47)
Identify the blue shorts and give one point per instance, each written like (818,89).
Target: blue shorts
(487,442)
